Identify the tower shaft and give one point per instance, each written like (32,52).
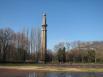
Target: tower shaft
(44,40)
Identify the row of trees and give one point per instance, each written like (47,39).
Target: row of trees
(19,46)
(79,52)
(25,46)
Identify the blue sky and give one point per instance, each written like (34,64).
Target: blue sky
(68,20)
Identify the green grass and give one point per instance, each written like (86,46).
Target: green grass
(65,69)
(91,69)
(18,64)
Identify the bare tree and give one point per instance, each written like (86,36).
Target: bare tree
(35,43)
(5,38)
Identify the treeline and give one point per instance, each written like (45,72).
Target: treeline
(79,52)
(24,47)
(21,46)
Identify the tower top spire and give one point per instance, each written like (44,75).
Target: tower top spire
(44,19)
(44,14)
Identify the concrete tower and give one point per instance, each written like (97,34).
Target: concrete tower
(44,39)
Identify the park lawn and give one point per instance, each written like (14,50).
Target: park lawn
(19,64)
(43,67)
